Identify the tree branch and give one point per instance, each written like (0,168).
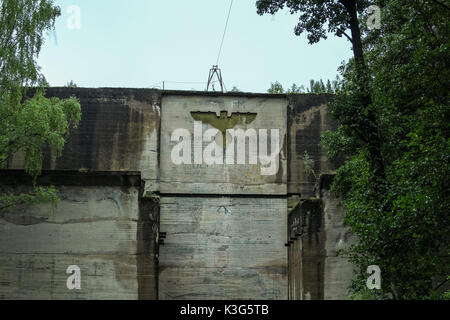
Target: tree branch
(443,282)
(442,4)
(346,35)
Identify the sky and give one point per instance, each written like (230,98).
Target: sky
(140,43)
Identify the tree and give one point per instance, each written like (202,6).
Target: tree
(275,88)
(315,87)
(72,84)
(405,229)
(329,87)
(391,109)
(29,120)
(339,17)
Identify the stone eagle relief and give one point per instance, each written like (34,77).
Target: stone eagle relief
(224,122)
(220,154)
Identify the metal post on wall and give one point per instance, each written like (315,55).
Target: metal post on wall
(215,70)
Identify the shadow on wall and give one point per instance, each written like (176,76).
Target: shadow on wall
(315,233)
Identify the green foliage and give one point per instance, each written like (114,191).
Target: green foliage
(446,294)
(309,165)
(402,225)
(40,194)
(392,110)
(72,84)
(275,88)
(317,16)
(28,124)
(314,87)
(153,196)
(319,86)
(38,121)
(295,89)
(22,23)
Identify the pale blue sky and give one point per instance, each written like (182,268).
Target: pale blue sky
(139,43)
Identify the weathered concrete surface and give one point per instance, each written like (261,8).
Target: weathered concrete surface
(43,276)
(223,248)
(226,178)
(307,119)
(222,242)
(147,249)
(338,271)
(315,233)
(103,216)
(105,230)
(118,131)
(121,150)
(306,251)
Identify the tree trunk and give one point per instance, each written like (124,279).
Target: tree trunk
(356,35)
(374,141)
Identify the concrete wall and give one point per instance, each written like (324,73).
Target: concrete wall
(223,248)
(338,271)
(98,228)
(307,119)
(306,253)
(226,225)
(316,232)
(118,131)
(177,112)
(223,242)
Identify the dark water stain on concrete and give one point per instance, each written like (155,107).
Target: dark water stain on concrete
(113,128)
(306,225)
(147,248)
(17,218)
